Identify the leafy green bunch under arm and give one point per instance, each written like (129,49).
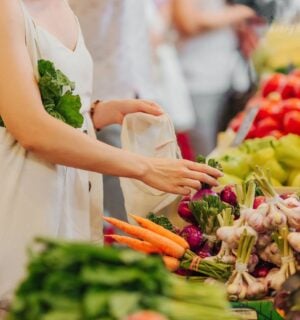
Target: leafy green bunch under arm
(57,95)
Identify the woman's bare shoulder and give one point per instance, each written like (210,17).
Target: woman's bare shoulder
(11,16)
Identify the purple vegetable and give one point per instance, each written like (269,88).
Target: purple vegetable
(184,272)
(262,270)
(184,211)
(206,250)
(193,236)
(228,195)
(200,194)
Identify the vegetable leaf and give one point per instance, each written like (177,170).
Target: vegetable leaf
(162,221)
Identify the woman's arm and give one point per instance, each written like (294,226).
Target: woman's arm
(190,21)
(25,118)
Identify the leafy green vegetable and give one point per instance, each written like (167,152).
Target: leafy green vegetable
(57,95)
(206,213)
(81,281)
(162,221)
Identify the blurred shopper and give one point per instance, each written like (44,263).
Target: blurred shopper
(117,36)
(170,86)
(211,58)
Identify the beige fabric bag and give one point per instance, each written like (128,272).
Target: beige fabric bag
(154,137)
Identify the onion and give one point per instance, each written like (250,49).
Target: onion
(200,194)
(185,213)
(193,235)
(228,195)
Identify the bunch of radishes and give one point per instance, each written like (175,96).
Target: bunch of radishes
(259,236)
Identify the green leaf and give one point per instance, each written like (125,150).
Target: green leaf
(69,108)
(122,304)
(57,95)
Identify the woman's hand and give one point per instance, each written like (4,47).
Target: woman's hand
(179,176)
(113,112)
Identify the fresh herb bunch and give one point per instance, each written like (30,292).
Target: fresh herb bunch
(81,281)
(210,162)
(57,95)
(206,213)
(163,221)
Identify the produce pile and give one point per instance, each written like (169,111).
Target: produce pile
(279,49)
(278,100)
(257,237)
(81,281)
(281,158)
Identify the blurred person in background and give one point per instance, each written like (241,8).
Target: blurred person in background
(169,83)
(117,35)
(214,46)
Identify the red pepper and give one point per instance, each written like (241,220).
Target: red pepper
(291,89)
(276,134)
(270,107)
(291,122)
(290,105)
(265,126)
(274,83)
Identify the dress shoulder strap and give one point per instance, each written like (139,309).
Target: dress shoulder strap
(31,39)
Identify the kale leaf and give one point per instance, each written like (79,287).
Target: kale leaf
(57,95)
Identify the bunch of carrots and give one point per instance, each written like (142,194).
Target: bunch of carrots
(150,238)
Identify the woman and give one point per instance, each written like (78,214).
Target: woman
(45,187)
(210,59)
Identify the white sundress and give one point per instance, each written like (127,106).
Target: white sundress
(38,198)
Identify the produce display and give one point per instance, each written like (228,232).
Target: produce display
(279,49)
(70,281)
(257,237)
(281,158)
(278,100)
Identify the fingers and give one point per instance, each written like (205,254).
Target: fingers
(192,183)
(203,177)
(150,108)
(182,191)
(203,168)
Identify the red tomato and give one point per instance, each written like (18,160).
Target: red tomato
(291,88)
(276,133)
(265,126)
(274,83)
(258,201)
(296,73)
(237,121)
(291,122)
(270,107)
(290,105)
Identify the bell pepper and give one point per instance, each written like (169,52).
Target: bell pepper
(260,157)
(288,150)
(276,170)
(265,126)
(273,84)
(229,179)
(292,176)
(236,164)
(291,87)
(296,181)
(291,122)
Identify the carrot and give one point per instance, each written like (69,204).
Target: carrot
(146,223)
(135,244)
(172,264)
(167,246)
